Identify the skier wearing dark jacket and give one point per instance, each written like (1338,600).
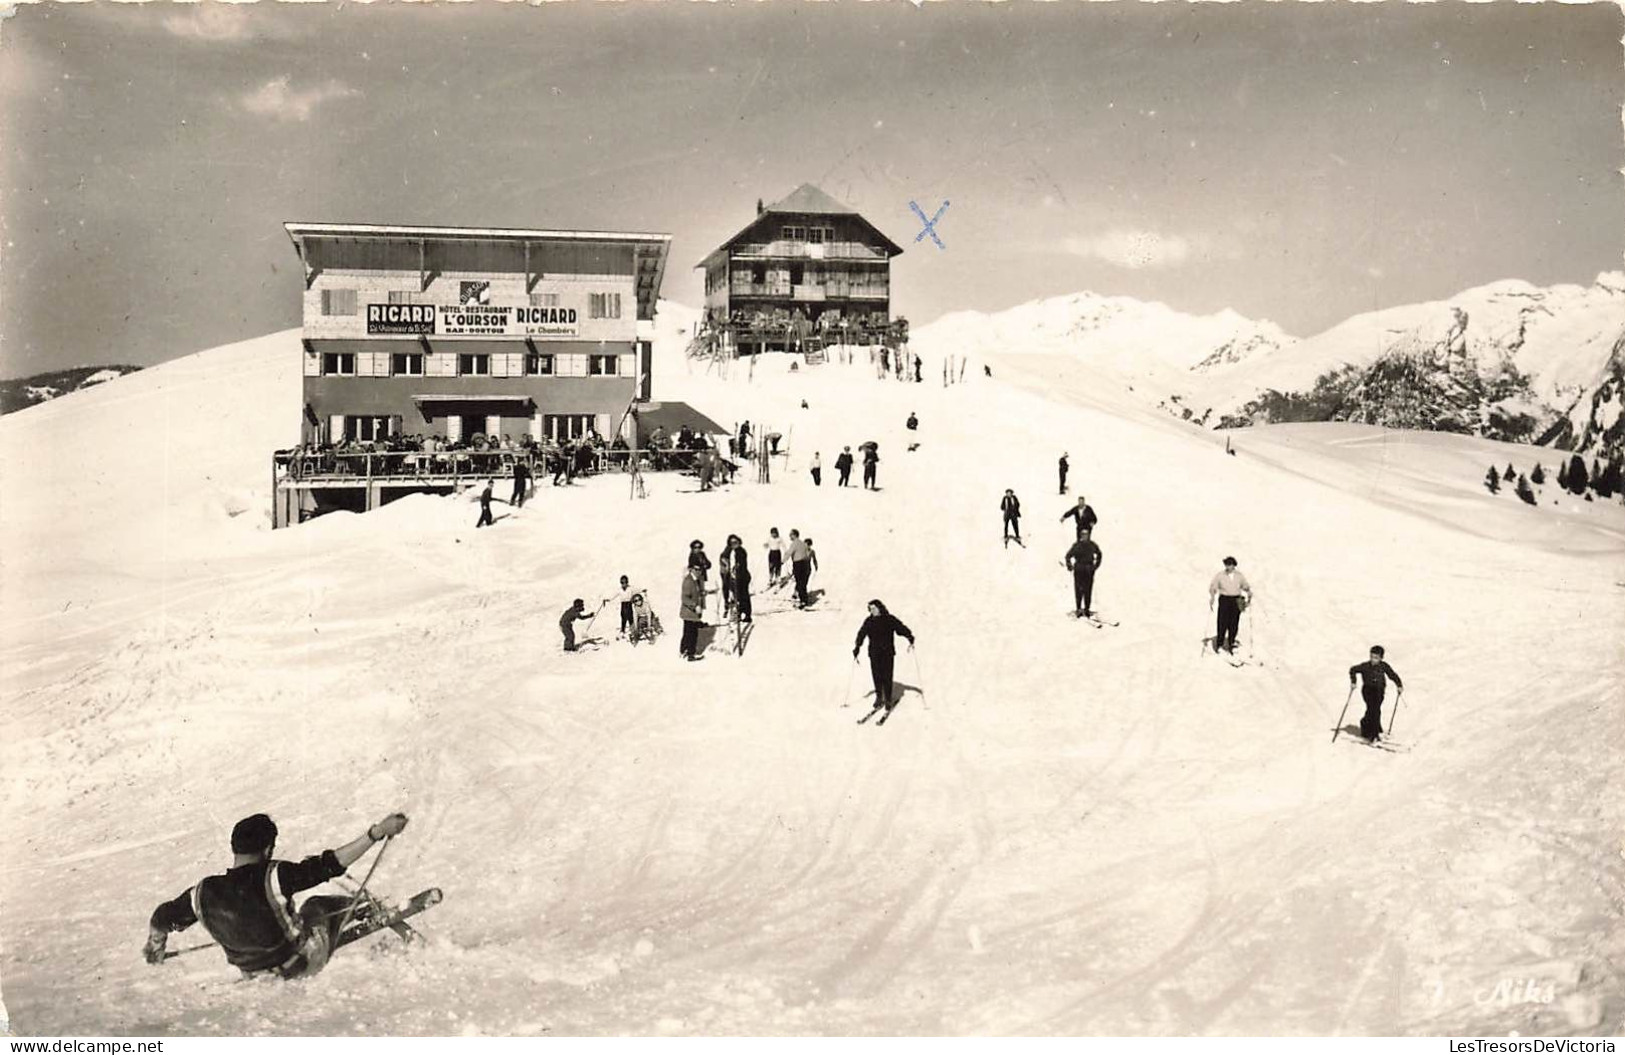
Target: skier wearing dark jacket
(1010,505)
(1083,514)
(843,466)
(248,910)
(1062,466)
(1082,560)
(881,629)
(1374,673)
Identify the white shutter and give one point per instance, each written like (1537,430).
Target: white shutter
(536,426)
(493,425)
(313,364)
(454,428)
(601,422)
(335,428)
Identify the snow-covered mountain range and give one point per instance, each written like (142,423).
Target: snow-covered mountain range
(20,393)
(1508,360)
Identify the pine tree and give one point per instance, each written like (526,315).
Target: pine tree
(1492,481)
(1596,474)
(1509,474)
(1537,477)
(1608,482)
(1524,491)
(1563,475)
(1578,481)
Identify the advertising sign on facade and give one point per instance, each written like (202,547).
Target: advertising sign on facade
(507,321)
(400,318)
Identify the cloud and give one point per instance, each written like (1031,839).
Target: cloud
(275,98)
(213,21)
(1135,250)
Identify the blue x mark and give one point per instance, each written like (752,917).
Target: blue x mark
(930,225)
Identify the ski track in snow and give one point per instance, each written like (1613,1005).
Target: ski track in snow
(1069,832)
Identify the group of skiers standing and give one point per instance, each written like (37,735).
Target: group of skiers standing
(843,467)
(735,576)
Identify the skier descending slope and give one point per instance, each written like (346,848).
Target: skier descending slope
(248,910)
(1010,505)
(1062,466)
(1374,672)
(1228,587)
(1082,560)
(881,629)
(1083,514)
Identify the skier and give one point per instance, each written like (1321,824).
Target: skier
(248,909)
(521,483)
(881,629)
(1082,560)
(775,557)
(567,621)
(1083,514)
(1374,673)
(843,466)
(1063,465)
(917,377)
(817,470)
(736,576)
(625,597)
(801,565)
(731,548)
(693,612)
(913,422)
(485,505)
(1233,593)
(1011,506)
(871,456)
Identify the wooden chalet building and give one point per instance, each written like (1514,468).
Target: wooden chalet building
(805,265)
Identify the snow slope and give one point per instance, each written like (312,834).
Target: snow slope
(1069,830)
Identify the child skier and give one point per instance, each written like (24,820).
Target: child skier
(775,558)
(577,610)
(624,596)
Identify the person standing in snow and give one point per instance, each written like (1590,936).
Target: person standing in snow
(698,559)
(801,567)
(775,557)
(624,596)
(485,505)
(248,910)
(1082,560)
(1083,514)
(843,466)
(1232,591)
(817,470)
(692,609)
(1063,466)
(912,422)
(871,458)
(567,621)
(1011,507)
(736,576)
(521,483)
(1374,672)
(881,629)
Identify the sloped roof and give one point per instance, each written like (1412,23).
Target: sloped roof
(806,200)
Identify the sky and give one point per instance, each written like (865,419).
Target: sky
(1293,162)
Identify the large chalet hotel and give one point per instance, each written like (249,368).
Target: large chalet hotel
(454,332)
(460,334)
(806,263)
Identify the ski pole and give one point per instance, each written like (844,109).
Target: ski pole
(588,629)
(362,889)
(1343,715)
(1392,718)
(170,954)
(919,677)
(851,672)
